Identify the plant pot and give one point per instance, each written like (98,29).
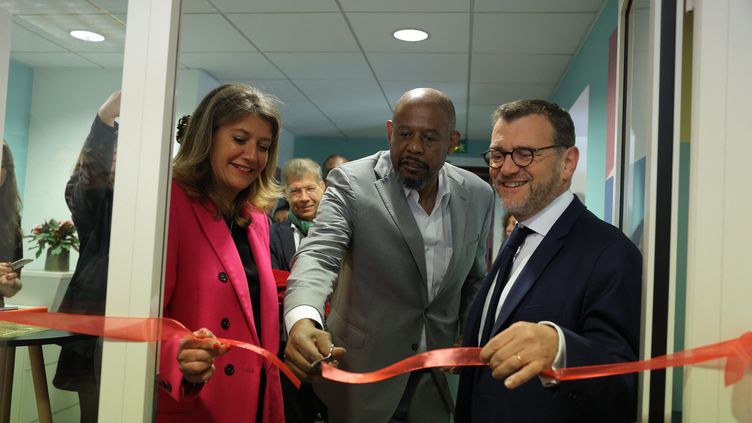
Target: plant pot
(58,263)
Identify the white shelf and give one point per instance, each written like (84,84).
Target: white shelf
(41,288)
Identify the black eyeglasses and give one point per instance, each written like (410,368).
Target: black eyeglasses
(521,156)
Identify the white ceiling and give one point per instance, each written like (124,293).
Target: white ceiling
(334,63)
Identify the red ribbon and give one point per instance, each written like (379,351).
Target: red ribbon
(737,351)
(134,329)
(447,357)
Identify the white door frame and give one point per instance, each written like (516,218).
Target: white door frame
(141,193)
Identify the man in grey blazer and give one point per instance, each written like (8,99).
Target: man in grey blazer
(406,234)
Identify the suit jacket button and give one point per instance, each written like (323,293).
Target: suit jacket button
(414,347)
(222,277)
(225,323)
(229,369)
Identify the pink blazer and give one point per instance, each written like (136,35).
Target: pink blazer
(205,286)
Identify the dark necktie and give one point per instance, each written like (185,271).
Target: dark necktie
(506,257)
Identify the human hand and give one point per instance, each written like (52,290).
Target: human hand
(307,344)
(110,109)
(521,352)
(9,281)
(196,355)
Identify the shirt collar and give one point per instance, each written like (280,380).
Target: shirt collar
(544,220)
(442,193)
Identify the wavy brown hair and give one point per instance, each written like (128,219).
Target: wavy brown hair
(192,167)
(10,208)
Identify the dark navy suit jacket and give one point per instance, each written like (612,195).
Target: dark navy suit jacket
(585,276)
(281,244)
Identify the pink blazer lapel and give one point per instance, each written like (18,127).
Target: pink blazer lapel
(221,242)
(258,237)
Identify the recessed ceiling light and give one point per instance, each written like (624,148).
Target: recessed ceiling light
(410,34)
(89,36)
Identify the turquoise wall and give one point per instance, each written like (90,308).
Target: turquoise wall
(318,149)
(17,116)
(590,68)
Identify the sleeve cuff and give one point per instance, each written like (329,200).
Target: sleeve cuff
(560,361)
(299,313)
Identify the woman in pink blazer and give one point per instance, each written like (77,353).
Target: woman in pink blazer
(218,273)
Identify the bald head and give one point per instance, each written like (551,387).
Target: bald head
(421,134)
(427,96)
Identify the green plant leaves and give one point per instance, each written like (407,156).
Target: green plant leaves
(56,235)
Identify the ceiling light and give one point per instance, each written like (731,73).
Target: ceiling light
(410,34)
(89,36)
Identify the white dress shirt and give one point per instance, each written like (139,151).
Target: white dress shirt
(436,230)
(540,223)
(296,236)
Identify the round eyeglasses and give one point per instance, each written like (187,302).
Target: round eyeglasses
(521,156)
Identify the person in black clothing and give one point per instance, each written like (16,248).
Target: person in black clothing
(89,198)
(281,211)
(10,227)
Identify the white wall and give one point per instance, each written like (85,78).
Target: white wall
(192,86)
(286,147)
(720,205)
(63,106)
(5,33)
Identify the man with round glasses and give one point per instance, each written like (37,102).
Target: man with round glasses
(565,293)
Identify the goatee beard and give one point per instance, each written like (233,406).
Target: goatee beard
(412,183)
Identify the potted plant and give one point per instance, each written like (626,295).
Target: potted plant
(59,238)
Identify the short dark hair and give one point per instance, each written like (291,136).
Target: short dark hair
(282,204)
(325,168)
(559,118)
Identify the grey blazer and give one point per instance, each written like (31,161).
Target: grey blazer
(365,233)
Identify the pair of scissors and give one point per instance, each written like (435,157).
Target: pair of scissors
(327,358)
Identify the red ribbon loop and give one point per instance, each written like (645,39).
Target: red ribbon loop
(134,329)
(737,351)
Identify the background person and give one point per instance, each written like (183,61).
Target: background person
(404,235)
(303,186)
(218,273)
(11,236)
(281,211)
(331,162)
(88,195)
(571,290)
(509,224)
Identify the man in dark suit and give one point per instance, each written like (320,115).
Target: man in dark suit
(569,295)
(303,186)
